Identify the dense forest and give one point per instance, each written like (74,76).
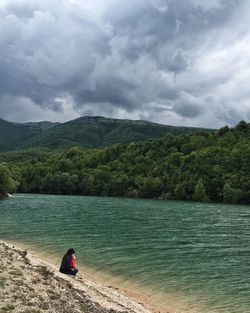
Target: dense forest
(203,166)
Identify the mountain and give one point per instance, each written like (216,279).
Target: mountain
(15,135)
(85,131)
(98,131)
(43,125)
(12,135)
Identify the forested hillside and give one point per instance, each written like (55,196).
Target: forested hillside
(12,135)
(16,135)
(87,131)
(96,131)
(201,167)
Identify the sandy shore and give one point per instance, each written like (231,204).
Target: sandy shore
(31,285)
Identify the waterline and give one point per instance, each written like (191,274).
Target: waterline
(193,255)
(151,297)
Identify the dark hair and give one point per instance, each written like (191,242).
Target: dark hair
(69,252)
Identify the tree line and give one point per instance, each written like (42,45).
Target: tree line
(199,167)
(7,183)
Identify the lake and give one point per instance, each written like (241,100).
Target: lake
(189,257)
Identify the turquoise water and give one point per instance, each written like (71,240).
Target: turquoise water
(197,255)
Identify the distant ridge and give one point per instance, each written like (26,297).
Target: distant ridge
(12,135)
(43,125)
(87,131)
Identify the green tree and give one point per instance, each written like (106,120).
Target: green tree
(149,187)
(120,184)
(222,131)
(200,192)
(60,183)
(231,195)
(7,184)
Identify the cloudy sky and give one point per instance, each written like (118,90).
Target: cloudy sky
(178,62)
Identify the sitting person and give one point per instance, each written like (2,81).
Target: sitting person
(68,265)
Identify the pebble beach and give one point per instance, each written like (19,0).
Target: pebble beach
(31,285)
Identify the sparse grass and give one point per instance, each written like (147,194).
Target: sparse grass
(46,273)
(2,282)
(7,308)
(52,294)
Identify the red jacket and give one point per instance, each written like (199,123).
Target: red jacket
(73,262)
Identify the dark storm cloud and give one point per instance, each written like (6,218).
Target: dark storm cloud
(156,59)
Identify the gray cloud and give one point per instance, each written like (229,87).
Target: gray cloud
(187,105)
(174,62)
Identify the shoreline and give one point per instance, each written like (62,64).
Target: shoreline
(32,276)
(147,296)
